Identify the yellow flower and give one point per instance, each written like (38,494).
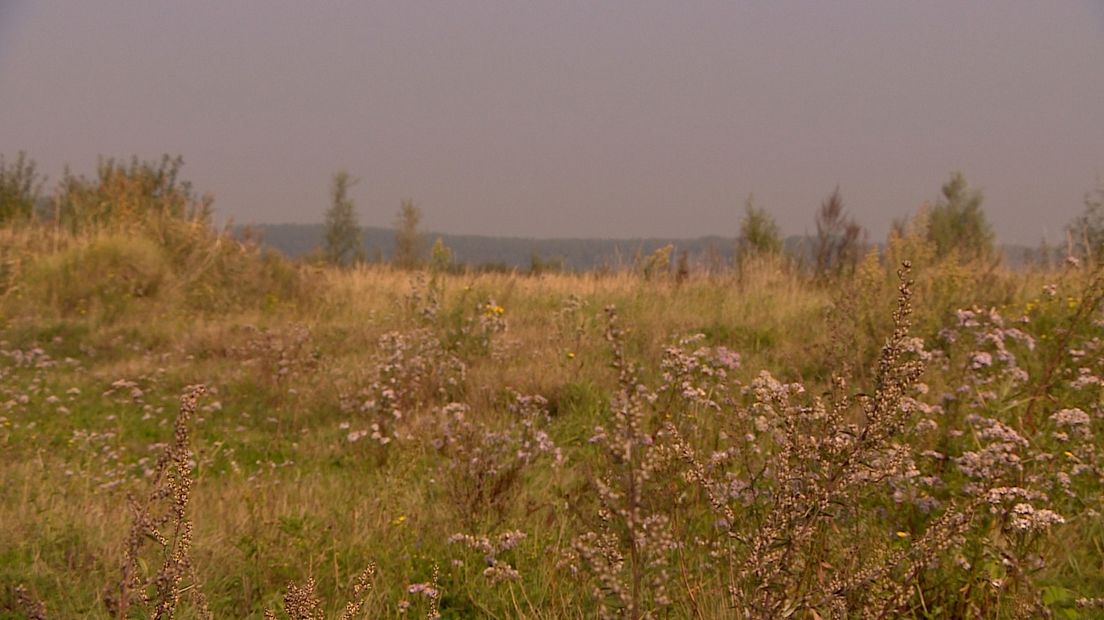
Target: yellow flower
(902,534)
(399,520)
(570,355)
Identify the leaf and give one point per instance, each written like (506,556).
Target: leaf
(1055,594)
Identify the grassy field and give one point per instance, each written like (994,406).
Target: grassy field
(754,443)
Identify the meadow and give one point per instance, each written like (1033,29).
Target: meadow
(193,427)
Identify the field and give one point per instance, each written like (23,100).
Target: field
(919,438)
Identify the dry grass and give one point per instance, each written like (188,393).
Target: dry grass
(885,464)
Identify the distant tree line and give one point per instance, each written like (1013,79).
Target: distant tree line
(955,226)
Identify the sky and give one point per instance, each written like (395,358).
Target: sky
(580,119)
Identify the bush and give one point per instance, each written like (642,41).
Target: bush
(20,188)
(132,231)
(144,195)
(104,275)
(759,234)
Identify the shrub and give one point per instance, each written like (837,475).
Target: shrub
(840,241)
(20,188)
(140,194)
(136,230)
(658,263)
(958,225)
(759,235)
(105,275)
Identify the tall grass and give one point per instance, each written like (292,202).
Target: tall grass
(376,443)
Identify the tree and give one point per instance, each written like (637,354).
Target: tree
(840,240)
(408,239)
(759,234)
(343,239)
(440,257)
(957,223)
(20,188)
(658,262)
(1087,230)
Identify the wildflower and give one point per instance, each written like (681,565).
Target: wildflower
(981,359)
(422,588)
(1076,420)
(1027,518)
(501,571)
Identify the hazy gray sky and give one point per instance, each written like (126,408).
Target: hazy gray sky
(560,118)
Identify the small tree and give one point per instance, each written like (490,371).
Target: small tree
(840,241)
(408,239)
(440,257)
(343,240)
(957,223)
(20,188)
(1087,230)
(759,234)
(658,262)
